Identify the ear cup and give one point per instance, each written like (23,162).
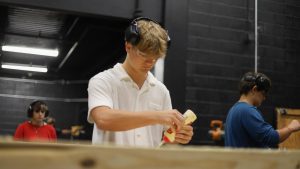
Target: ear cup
(262,83)
(132,35)
(29,112)
(30,109)
(47,113)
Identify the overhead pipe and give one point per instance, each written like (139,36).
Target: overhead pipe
(256,39)
(137,11)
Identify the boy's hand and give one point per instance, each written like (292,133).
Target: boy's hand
(184,135)
(294,125)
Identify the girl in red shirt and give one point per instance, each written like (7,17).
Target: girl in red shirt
(36,129)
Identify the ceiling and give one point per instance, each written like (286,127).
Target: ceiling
(86,44)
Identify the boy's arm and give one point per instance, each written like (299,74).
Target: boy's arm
(285,132)
(118,120)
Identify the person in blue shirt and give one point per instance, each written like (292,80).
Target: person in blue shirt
(245,126)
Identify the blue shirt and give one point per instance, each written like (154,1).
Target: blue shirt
(245,127)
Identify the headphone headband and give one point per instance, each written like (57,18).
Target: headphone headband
(30,108)
(260,80)
(132,33)
(143,18)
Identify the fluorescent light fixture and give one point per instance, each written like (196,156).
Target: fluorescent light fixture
(32,68)
(29,50)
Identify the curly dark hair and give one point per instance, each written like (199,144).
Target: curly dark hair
(251,79)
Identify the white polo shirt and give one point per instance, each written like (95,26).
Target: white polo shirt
(115,89)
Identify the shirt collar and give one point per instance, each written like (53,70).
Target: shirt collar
(151,79)
(123,75)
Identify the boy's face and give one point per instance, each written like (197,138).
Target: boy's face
(142,61)
(38,115)
(259,97)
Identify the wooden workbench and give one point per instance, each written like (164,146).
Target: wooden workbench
(16,155)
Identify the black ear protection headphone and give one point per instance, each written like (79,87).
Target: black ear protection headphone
(31,106)
(132,33)
(260,81)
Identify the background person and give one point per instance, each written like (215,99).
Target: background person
(245,126)
(35,129)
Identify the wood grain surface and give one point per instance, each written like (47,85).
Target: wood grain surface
(16,155)
(283,119)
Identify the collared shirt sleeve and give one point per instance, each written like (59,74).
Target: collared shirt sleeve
(99,94)
(167,101)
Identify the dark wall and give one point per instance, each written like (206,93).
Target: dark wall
(279,23)
(218,54)
(220,49)
(66,101)
(212,47)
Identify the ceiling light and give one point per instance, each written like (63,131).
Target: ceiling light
(29,50)
(33,68)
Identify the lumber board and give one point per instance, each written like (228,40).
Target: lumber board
(16,155)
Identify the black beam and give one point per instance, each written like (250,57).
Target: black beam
(113,8)
(175,63)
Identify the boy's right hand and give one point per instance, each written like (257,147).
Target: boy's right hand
(294,125)
(172,118)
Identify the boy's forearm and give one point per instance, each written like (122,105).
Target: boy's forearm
(284,133)
(117,120)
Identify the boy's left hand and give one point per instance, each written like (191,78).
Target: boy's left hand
(184,135)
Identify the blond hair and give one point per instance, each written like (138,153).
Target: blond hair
(153,38)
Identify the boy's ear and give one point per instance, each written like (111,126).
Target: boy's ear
(254,88)
(128,46)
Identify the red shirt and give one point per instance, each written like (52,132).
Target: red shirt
(28,132)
